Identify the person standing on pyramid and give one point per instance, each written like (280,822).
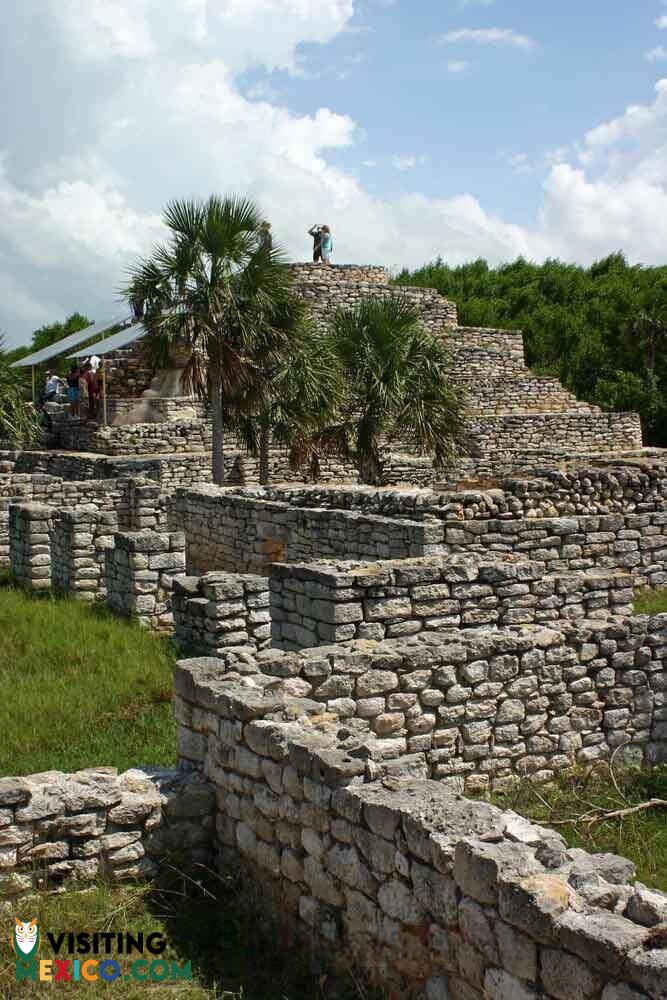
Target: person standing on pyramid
(327,245)
(316,232)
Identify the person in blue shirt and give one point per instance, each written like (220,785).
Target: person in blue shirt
(326,245)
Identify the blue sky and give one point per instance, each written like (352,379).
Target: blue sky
(462,127)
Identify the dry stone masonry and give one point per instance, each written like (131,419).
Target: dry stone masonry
(313,605)
(140,571)
(218,612)
(59,829)
(425,893)
(368,658)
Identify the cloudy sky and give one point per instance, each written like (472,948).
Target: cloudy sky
(413,127)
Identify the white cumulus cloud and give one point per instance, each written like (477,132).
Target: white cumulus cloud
(489,36)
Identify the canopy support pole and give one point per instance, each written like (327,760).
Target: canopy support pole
(34,398)
(104,394)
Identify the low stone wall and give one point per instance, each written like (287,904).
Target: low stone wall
(111,498)
(139,575)
(162,408)
(519,394)
(220,611)
(135,439)
(229,531)
(483,709)
(422,892)
(30,527)
(319,603)
(76,561)
(625,487)
(77,828)
(580,431)
(633,542)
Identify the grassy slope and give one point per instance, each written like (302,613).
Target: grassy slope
(80,688)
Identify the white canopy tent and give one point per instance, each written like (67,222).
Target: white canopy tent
(54,350)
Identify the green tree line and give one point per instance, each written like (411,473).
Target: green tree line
(601,330)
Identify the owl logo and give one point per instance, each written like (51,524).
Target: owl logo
(25,939)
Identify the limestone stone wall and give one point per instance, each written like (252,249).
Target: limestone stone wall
(621,487)
(77,556)
(120,504)
(319,603)
(482,708)
(229,531)
(135,439)
(165,408)
(78,828)
(580,431)
(30,526)
(633,542)
(421,891)
(221,611)
(328,288)
(139,575)
(523,393)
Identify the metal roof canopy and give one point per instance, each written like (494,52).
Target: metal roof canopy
(109,344)
(53,350)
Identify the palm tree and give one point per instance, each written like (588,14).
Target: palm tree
(396,387)
(218,288)
(306,386)
(19,425)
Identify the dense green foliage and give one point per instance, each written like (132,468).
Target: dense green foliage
(602,330)
(82,688)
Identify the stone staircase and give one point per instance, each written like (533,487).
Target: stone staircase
(511,410)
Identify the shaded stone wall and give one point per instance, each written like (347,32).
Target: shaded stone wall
(424,893)
(139,575)
(77,557)
(30,526)
(218,612)
(226,530)
(639,487)
(77,828)
(319,603)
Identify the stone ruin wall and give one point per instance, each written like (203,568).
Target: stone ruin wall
(59,828)
(316,604)
(425,893)
(453,898)
(227,530)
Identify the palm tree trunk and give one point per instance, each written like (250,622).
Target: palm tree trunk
(264,441)
(218,451)
(370,468)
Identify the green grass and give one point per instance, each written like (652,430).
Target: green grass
(568,803)
(651,601)
(214,922)
(80,687)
